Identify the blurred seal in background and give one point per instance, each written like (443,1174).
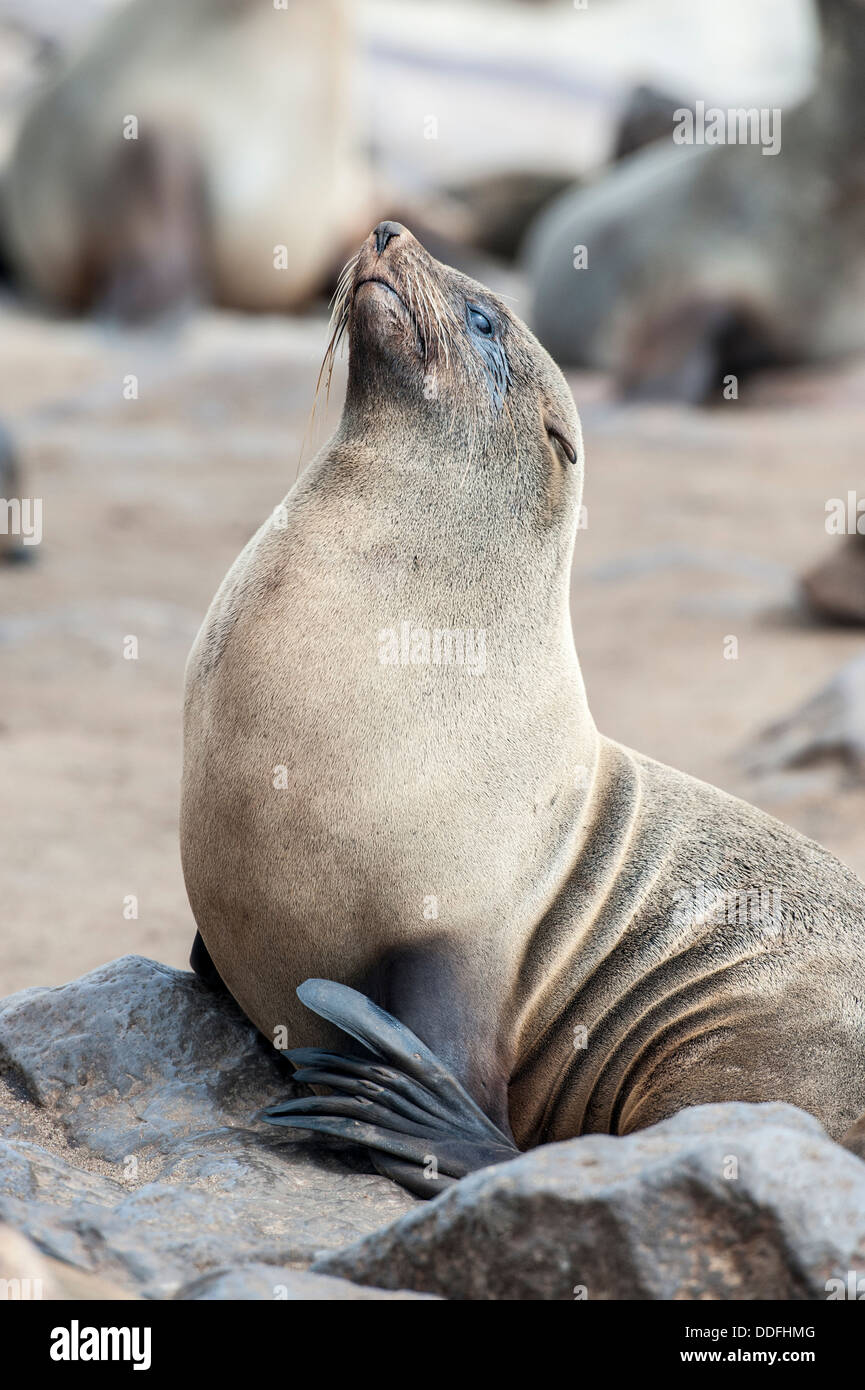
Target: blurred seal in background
(195,149)
(709,259)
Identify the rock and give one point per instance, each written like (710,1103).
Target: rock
(256,1281)
(25,1274)
(835,589)
(133,1163)
(137,1055)
(830,725)
(730,1201)
(131,1147)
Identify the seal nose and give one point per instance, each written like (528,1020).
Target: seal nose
(385,232)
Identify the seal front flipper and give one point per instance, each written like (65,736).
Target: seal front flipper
(397,1099)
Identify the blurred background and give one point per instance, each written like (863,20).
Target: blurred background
(179,185)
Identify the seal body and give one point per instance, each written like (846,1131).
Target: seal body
(392,781)
(181,150)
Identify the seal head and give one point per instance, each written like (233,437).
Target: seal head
(438,360)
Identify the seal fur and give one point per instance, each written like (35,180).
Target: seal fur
(243,125)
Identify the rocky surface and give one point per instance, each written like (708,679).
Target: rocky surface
(263,1282)
(130,1145)
(25,1274)
(720,1202)
(133,1164)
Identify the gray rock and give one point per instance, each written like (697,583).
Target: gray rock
(131,1147)
(25,1274)
(132,1156)
(720,1201)
(272,1283)
(137,1054)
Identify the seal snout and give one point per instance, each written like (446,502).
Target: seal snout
(385,232)
(393,299)
(375,265)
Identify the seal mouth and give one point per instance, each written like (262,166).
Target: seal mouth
(412,317)
(379,280)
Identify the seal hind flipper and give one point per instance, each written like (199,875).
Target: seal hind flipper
(411,1111)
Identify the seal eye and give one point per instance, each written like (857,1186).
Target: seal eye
(479,322)
(491,356)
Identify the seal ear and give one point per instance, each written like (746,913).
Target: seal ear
(558,433)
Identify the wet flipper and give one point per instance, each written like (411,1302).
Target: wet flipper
(395,1097)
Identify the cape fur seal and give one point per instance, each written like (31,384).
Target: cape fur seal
(705,260)
(531,931)
(180,149)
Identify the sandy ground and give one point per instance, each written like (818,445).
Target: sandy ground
(698,525)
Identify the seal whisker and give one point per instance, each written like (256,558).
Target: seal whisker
(428,308)
(416,308)
(420,289)
(338,323)
(438,311)
(339,320)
